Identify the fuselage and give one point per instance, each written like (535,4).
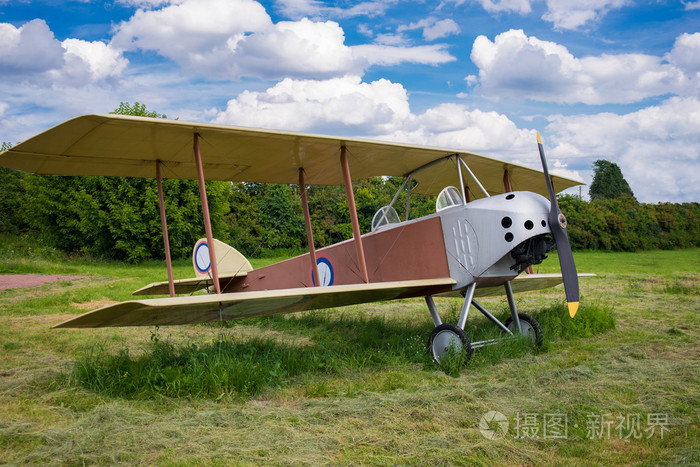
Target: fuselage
(467,242)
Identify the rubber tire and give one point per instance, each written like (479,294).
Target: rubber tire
(443,332)
(532,328)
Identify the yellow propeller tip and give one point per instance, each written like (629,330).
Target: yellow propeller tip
(573,308)
(539,140)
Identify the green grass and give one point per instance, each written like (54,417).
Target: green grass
(229,367)
(348,386)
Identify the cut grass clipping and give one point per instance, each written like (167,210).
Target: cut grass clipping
(227,368)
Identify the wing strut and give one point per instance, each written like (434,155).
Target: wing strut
(205,213)
(307,221)
(359,250)
(164,225)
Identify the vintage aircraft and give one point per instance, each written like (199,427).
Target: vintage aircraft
(484,233)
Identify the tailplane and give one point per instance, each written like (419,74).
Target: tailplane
(229,261)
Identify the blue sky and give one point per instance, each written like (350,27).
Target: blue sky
(613,79)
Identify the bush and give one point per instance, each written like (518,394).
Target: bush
(623,224)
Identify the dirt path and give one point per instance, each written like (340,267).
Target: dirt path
(15,281)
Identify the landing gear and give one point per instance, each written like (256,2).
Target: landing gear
(448,336)
(529,327)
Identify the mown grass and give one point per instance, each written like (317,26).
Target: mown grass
(373,396)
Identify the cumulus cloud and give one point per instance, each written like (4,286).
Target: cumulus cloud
(346,103)
(186,31)
(517,66)
(94,59)
(232,39)
(658,147)
(686,52)
(32,53)
(457,126)
(573,14)
(29,49)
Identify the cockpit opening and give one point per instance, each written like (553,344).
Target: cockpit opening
(384,216)
(448,197)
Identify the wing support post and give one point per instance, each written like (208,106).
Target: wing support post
(309,231)
(164,225)
(359,250)
(205,213)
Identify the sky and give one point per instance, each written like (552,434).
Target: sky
(600,79)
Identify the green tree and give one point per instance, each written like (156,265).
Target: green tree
(12,198)
(608,182)
(136,110)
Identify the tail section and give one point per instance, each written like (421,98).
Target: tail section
(229,261)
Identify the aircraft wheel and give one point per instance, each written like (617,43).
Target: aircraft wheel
(530,327)
(443,337)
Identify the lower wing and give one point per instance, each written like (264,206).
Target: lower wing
(526,282)
(206,308)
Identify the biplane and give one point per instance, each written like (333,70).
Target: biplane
(491,223)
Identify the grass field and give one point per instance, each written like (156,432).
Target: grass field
(353,385)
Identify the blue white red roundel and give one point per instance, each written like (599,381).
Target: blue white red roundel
(201,258)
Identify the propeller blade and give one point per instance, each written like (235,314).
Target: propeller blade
(557,224)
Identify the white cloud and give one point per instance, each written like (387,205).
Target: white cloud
(232,39)
(388,55)
(99,60)
(457,126)
(573,14)
(148,3)
(432,28)
(564,14)
(32,53)
(498,6)
(686,52)
(346,103)
(521,67)
(29,49)
(691,5)
(298,9)
(657,148)
(189,31)
(297,49)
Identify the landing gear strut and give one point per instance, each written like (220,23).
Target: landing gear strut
(447,335)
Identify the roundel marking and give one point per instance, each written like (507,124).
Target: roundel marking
(201,258)
(325,271)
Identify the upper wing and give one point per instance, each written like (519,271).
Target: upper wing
(206,308)
(526,282)
(118,145)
